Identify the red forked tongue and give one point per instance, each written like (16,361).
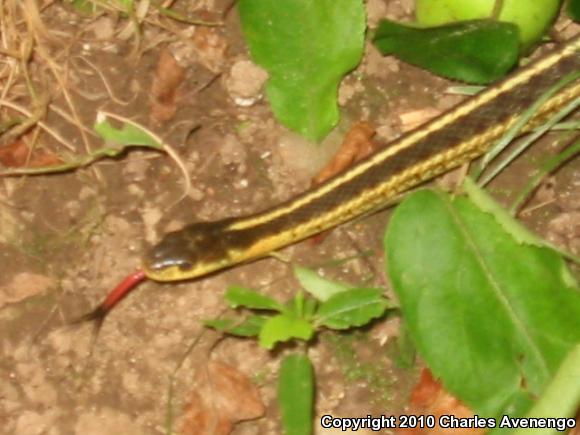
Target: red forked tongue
(113,298)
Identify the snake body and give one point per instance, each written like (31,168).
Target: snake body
(457,136)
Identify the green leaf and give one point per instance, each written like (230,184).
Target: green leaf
(296,394)
(248,298)
(574,9)
(355,307)
(249,327)
(561,398)
(283,327)
(492,318)
(127,135)
(126,5)
(486,203)
(307,47)
(310,306)
(515,229)
(478,51)
(319,287)
(84,6)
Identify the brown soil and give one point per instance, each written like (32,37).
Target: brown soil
(67,239)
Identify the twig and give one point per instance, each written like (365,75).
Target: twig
(41,124)
(497,10)
(55,71)
(33,119)
(105,82)
(79,162)
(182,18)
(168,149)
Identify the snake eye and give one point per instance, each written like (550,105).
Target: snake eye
(161,263)
(182,254)
(170,252)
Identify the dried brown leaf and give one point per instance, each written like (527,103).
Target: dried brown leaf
(430,398)
(15,155)
(200,418)
(223,396)
(229,385)
(168,76)
(357,145)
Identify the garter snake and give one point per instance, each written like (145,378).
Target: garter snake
(459,135)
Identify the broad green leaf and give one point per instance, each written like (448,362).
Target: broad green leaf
(127,135)
(515,229)
(249,327)
(283,328)
(296,394)
(307,47)
(574,9)
(561,398)
(354,307)
(478,51)
(319,287)
(492,318)
(486,203)
(248,298)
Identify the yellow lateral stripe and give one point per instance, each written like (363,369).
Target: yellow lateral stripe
(459,135)
(390,187)
(405,142)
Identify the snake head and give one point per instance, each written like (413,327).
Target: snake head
(195,250)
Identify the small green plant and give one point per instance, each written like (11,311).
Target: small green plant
(329,305)
(476,291)
(308,47)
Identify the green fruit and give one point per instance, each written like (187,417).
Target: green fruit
(533,17)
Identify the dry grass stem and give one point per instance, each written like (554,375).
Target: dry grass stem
(41,124)
(35,68)
(106,83)
(167,148)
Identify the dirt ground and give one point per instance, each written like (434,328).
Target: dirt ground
(67,239)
